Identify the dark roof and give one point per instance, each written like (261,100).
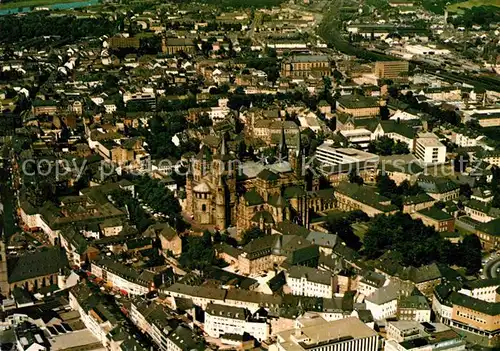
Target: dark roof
(277,282)
(267,175)
(226,311)
(311,274)
(491,227)
(414,301)
(436,214)
(289,228)
(417,199)
(365,195)
(183,338)
(265,216)
(489,308)
(253,198)
(260,247)
(37,264)
(357,101)
(435,185)
(482,283)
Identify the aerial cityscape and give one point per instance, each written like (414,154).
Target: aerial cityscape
(269,175)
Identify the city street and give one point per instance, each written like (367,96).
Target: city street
(492,267)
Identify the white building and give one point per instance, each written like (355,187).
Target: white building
(383,303)
(181,339)
(152,319)
(483,289)
(109,107)
(441,306)
(403,335)
(465,140)
(349,334)
(331,156)
(371,282)
(429,149)
(359,136)
(307,281)
(94,317)
(128,280)
(220,320)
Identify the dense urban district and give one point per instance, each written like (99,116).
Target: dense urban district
(302,175)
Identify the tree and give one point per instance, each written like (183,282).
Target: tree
(204,121)
(386,186)
(414,242)
(341,226)
(400,148)
(470,252)
(251,234)
(197,252)
(461,161)
(465,190)
(355,178)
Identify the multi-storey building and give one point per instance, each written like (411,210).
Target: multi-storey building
(391,69)
(358,106)
(482,289)
(307,281)
(220,320)
(302,66)
(331,156)
(128,280)
(440,189)
(154,320)
(434,217)
(414,308)
(348,334)
(93,312)
(352,197)
(464,312)
(430,150)
(489,234)
(173,45)
(404,335)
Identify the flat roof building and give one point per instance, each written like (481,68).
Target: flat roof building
(429,149)
(328,155)
(391,69)
(340,335)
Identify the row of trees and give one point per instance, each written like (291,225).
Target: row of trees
(416,244)
(386,146)
(36,24)
(480,15)
(138,216)
(388,188)
(160,200)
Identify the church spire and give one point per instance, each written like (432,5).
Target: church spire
(283,149)
(223,145)
(298,157)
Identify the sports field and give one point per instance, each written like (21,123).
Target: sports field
(472,3)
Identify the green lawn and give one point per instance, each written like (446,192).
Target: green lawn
(360,229)
(472,3)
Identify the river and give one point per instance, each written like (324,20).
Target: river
(62,6)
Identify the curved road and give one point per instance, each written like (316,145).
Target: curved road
(491,267)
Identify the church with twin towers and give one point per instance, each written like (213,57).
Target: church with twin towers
(223,192)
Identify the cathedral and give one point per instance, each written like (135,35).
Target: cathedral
(225,192)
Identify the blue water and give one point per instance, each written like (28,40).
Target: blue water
(64,6)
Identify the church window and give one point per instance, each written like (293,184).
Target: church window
(204,208)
